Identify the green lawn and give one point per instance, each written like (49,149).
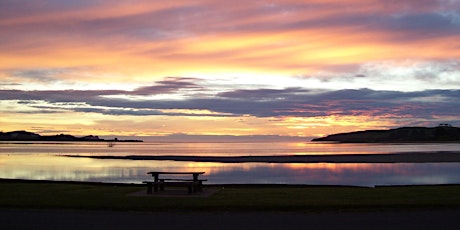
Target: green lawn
(19,194)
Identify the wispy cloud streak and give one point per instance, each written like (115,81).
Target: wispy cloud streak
(296,102)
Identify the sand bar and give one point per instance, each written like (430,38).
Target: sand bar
(406,157)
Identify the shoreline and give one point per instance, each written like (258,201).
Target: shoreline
(404,157)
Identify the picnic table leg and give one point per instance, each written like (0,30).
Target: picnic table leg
(156,182)
(196,183)
(149,188)
(162,185)
(195,176)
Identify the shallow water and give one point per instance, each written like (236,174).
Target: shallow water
(45,161)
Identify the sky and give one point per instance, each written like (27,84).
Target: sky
(213,67)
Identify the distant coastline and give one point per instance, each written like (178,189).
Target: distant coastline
(29,136)
(441,133)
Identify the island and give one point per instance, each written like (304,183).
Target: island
(29,136)
(441,133)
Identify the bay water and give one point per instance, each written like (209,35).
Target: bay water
(47,161)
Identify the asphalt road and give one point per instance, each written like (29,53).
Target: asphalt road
(80,219)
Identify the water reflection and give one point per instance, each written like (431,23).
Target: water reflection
(50,167)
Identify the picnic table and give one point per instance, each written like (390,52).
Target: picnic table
(158,184)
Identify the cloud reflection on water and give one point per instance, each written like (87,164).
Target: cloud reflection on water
(51,167)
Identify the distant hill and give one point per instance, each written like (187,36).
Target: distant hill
(442,133)
(28,136)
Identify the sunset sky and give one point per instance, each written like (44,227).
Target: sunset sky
(212,67)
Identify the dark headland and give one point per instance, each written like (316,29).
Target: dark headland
(29,136)
(441,133)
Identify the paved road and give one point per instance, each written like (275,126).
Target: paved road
(77,219)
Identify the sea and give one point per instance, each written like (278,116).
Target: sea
(50,161)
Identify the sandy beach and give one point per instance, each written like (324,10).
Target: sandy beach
(406,157)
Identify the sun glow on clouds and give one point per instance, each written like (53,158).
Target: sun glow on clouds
(292,67)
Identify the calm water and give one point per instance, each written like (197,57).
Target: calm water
(45,161)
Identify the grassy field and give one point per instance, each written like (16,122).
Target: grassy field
(36,194)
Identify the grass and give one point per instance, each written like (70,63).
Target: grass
(36,194)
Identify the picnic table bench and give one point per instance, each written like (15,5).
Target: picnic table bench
(158,184)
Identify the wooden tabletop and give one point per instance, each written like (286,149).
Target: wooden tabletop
(176,173)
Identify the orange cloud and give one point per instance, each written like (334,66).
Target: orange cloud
(275,37)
